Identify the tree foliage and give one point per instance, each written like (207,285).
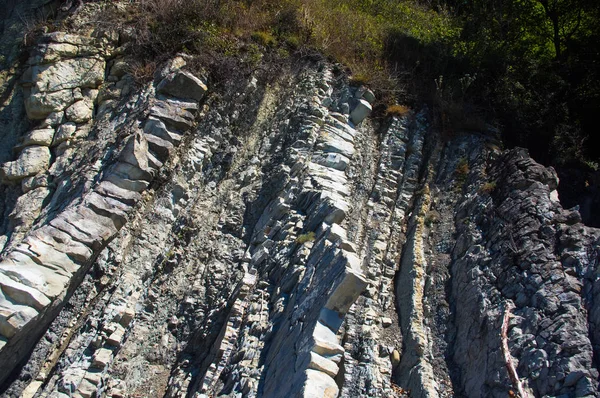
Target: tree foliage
(531,66)
(538,66)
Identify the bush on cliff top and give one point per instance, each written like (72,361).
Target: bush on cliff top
(471,61)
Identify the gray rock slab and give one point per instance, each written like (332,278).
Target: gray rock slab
(125,183)
(107,188)
(161,148)
(360,112)
(158,128)
(22,294)
(182,84)
(172,115)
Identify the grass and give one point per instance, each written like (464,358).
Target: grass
(488,187)
(359,79)
(462,168)
(397,110)
(355,33)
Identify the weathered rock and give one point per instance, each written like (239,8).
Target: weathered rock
(172,115)
(80,111)
(68,74)
(31,161)
(39,105)
(360,112)
(39,137)
(64,133)
(182,84)
(271,252)
(102,357)
(37,181)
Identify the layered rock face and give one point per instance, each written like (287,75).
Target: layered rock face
(266,238)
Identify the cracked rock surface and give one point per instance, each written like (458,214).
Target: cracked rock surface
(266,238)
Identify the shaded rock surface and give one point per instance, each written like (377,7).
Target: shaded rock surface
(265,238)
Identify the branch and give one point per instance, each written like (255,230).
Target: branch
(512,372)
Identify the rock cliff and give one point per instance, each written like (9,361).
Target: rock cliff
(266,238)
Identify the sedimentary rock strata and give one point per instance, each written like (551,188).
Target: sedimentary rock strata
(267,238)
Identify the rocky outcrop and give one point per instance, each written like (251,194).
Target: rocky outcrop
(266,238)
(41,271)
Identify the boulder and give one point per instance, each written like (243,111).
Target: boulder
(182,84)
(102,357)
(347,291)
(31,161)
(40,105)
(68,74)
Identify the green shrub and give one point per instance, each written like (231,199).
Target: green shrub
(308,237)
(264,38)
(430,220)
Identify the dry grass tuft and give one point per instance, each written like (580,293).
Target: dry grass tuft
(397,110)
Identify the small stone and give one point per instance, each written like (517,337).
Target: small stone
(173,322)
(39,137)
(102,357)
(64,133)
(77,94)
(90,94)
(80,111)
(395,357)
(386,322)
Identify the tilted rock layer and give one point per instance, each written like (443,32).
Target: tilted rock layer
(265,238)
